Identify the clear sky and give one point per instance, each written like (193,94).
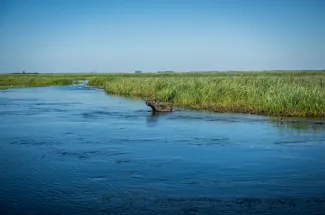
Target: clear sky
(152,35)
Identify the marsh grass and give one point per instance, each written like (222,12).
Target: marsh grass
(277,93)
(267,93)
(18,80)
(4,87)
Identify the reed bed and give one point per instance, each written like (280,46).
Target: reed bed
(277,94)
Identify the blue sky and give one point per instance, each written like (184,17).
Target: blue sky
(152,35)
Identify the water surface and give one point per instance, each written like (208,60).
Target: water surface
(70,149)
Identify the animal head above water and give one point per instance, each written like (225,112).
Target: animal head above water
(152,102)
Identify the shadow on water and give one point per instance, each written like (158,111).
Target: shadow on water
(298,125)
(293,124)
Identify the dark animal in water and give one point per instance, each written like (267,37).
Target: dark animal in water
(156,107)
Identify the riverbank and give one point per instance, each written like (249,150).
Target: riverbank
(282,93)
(33,80)
(265,93)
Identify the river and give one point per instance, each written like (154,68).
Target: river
(77,150)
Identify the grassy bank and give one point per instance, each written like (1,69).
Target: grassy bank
(268,93)
(277,93)
(38,80)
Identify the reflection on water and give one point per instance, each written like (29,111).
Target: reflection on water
(70,149)
(153,118)
(299,125)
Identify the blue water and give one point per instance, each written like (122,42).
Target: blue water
(76,150)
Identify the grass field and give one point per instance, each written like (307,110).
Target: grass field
(268,93)
(276,93)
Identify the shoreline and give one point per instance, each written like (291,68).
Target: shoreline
(311,120)
(280,94)
(280,119)
(220,110)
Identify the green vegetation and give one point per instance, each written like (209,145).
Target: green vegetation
(277,93)
(37,80)
(268,93)
(3,88)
